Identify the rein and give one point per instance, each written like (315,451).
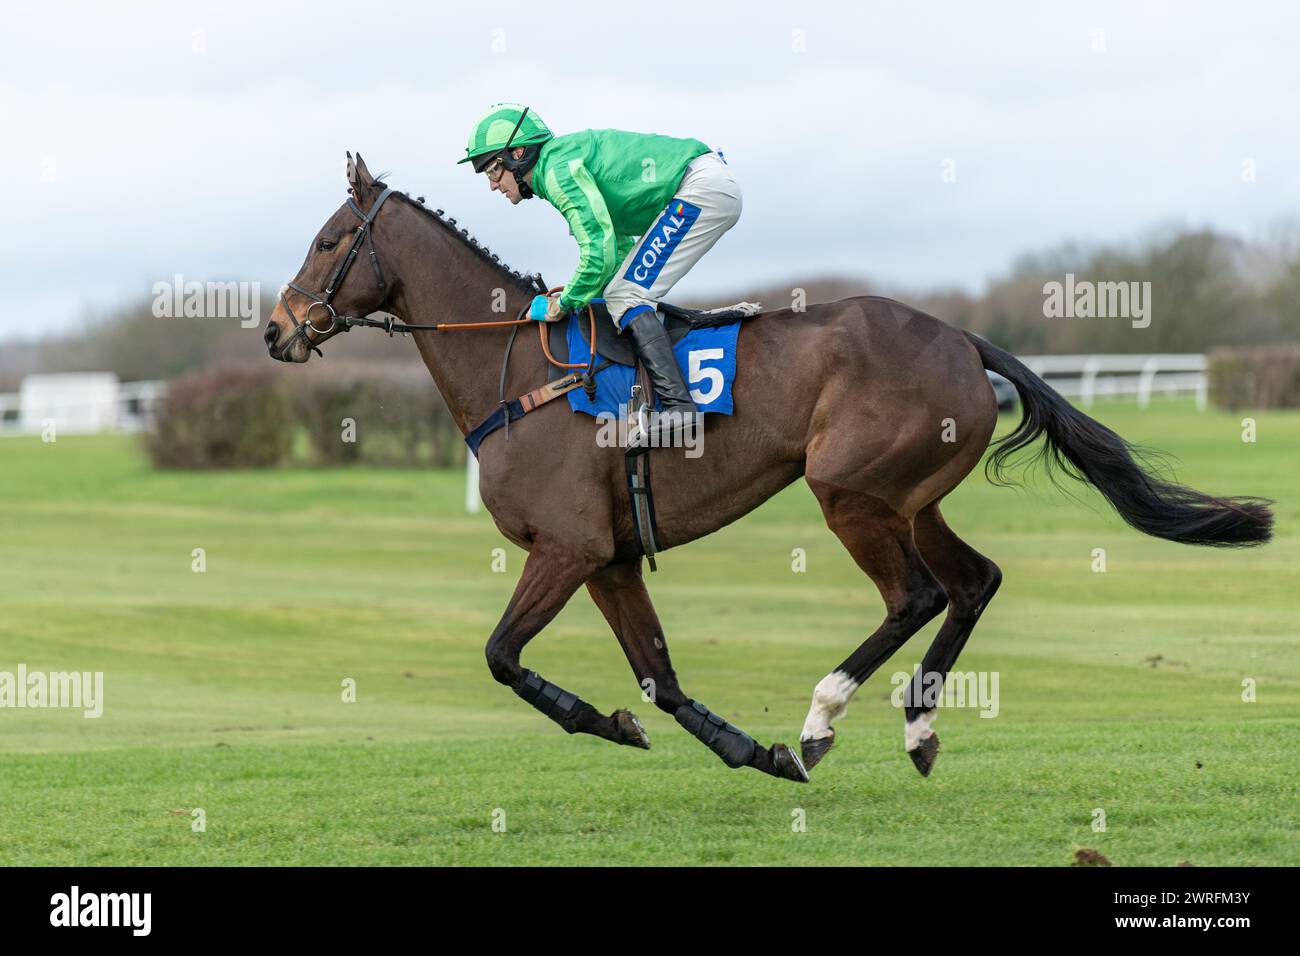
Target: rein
(396,327)
(344,323)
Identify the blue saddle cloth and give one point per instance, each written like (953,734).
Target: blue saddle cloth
(707,357)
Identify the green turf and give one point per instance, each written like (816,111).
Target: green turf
(223,689)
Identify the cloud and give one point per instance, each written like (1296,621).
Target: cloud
(209,140)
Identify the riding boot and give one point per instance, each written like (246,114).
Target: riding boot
(655,350)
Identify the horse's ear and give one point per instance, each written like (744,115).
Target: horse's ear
(359,177)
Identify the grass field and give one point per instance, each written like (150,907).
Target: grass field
(1119,690)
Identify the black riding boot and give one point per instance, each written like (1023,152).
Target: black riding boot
(656,353)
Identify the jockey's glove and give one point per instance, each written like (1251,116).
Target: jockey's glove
(546,308)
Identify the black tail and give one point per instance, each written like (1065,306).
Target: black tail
(1090,452)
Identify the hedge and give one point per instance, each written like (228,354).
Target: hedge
(254,417)
(1256,377)
(233,417)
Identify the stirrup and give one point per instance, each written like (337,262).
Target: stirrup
(665,432)
(638,431)
(638,426)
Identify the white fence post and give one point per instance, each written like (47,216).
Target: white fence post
(1149,369)
(472,499)
(1089,383)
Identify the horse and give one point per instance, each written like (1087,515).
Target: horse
(882,410)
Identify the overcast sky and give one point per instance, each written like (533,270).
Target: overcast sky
(147,139)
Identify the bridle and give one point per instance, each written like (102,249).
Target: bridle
(365,234)
(342,323)
(325,300)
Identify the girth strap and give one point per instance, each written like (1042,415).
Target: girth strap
(642,500)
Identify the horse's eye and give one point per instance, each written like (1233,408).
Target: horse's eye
(325,245)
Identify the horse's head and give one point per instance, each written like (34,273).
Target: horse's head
(333,281)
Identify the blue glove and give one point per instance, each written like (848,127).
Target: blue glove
(537,311)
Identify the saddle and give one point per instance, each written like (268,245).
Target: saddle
(618,349)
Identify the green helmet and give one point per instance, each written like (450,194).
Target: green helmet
(501,127)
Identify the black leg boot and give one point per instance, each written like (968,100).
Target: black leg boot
(656,353)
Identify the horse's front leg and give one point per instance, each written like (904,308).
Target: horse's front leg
(620,593)
(550,577)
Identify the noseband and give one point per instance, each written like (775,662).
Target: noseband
(324,300)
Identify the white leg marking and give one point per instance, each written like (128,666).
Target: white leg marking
(830,700)
(917,730)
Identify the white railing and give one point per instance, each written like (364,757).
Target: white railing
(1088,377)
(11,412)
(128,406)
(137,403)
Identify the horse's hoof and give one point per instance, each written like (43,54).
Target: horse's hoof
(814,750)
(787,765)
(630,731)
(923,756)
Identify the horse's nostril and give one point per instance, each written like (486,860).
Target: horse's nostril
(272,333)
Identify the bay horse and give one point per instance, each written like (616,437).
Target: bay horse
(882,409)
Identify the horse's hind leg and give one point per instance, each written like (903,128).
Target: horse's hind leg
(971,580)
(880,540)
(550,577)
(619,591)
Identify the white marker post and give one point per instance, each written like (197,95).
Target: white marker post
(472,500)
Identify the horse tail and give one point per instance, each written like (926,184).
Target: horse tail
(1088,451)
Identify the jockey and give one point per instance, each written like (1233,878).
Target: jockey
(676,196)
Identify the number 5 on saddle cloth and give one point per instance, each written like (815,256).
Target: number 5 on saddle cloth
(704,344)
